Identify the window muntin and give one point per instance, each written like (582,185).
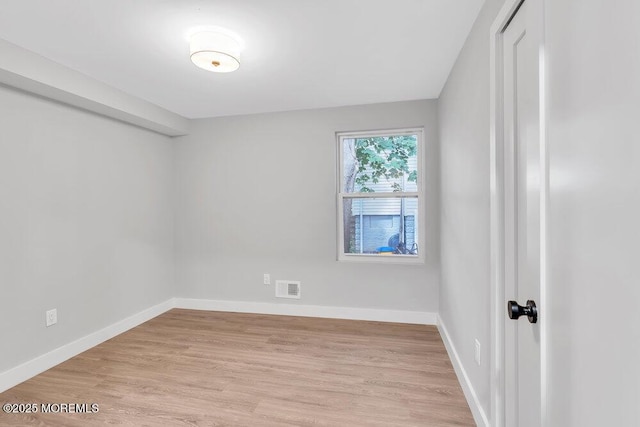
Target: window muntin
(380,196)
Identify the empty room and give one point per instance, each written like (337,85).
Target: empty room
(320,212)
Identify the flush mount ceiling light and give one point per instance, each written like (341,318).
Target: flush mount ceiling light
(214,51)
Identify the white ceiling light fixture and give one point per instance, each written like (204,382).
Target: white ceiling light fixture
(215,51)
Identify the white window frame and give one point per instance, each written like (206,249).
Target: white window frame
(420,195)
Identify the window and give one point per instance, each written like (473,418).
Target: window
(380,196)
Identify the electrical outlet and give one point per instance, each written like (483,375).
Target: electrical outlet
(267,279)
(477,352)
(52,317)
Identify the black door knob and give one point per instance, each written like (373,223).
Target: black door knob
(515,310)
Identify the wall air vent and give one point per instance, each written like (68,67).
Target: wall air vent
(287,289)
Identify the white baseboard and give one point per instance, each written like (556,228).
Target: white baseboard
(23,372)
(477,411)
(351,313)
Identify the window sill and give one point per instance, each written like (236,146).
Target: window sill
(382,259)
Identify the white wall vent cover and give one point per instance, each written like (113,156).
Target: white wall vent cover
(287,289)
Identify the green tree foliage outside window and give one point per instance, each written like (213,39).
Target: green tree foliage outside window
(382,158)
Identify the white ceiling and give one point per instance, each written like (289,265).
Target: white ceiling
(298,53)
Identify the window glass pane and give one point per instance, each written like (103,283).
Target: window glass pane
(380,164)
(385,226)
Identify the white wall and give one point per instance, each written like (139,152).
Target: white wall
(86,223)
(593,49)
(257,194)
(463,110)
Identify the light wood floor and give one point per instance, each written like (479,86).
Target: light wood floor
(199,368)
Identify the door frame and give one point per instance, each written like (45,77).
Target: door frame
(497,226)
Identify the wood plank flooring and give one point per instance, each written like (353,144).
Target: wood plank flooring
(202,368)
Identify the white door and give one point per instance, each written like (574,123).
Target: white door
(522,232)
